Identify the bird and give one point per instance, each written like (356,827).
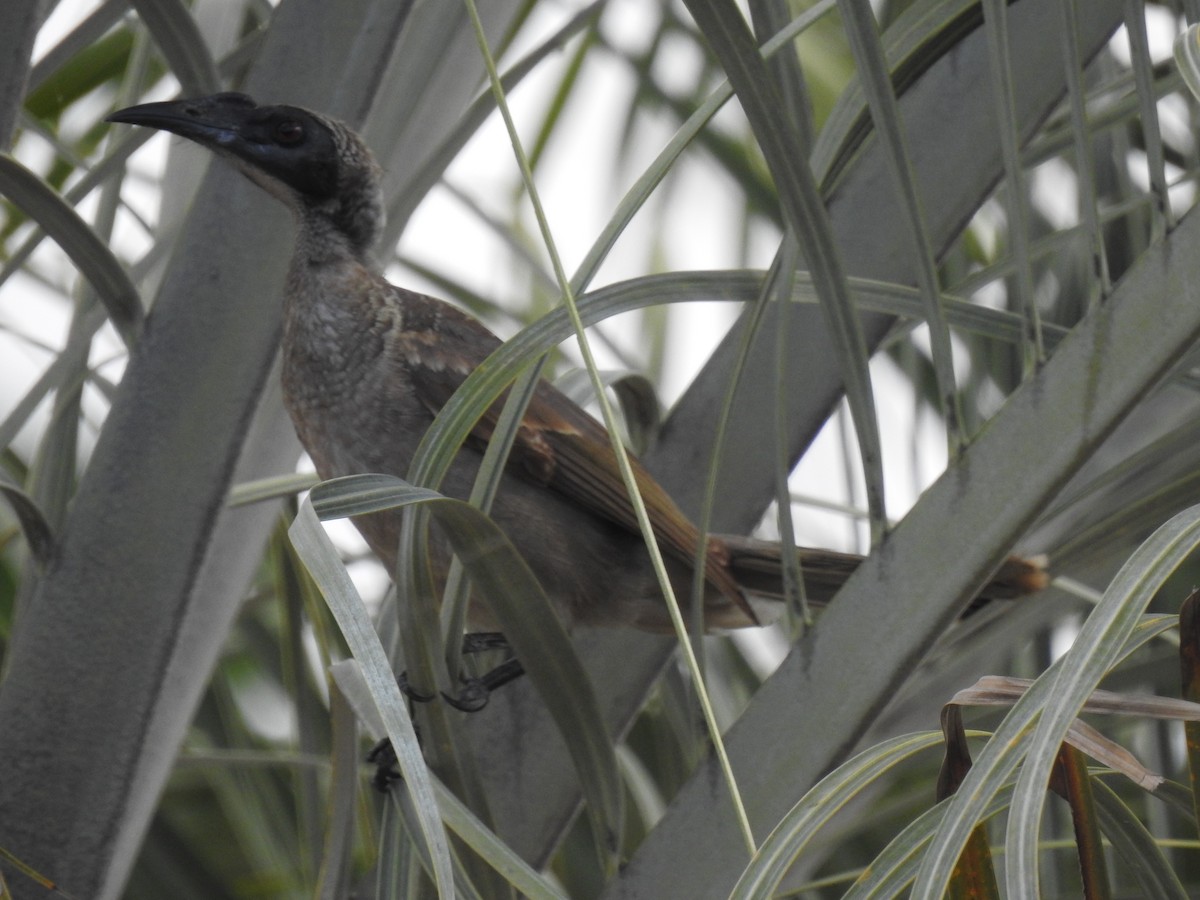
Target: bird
(366,365)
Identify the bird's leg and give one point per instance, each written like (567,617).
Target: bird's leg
(473,697)
(383,755)
(476,690)
(409,691)
(475,642)
(479,641)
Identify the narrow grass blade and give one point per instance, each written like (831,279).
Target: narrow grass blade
(38,533)
(95,261)
(996,20)
(1189,663)
(1094,652)
(1187,58)
(804,211)
(1114,628)
(176,35)
(806,818)
(323,563)
(455,814)
(529,623)
(863,33)
(272,488)
(1136,846)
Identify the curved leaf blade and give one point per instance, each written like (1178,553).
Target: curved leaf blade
(175,32)
(95,261)
(326,569)
(529,622)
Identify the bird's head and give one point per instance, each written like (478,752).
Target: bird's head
(316,165)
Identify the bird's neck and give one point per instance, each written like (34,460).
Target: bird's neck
(336,301)
(335,310)
(330,289)
(321,241)
(350,221)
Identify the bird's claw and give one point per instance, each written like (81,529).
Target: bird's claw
(476,691)
(383,755)
(472,698)
(480,641)
(410,692)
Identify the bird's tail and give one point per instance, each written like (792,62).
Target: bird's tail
(758,567)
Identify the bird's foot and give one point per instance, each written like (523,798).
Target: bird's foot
(473,697)
(383,755)
(475,642)
(411,692)
(476,691)
(481,641)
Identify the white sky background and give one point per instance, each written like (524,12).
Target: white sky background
(580,186)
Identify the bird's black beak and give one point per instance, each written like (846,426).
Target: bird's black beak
(218,121)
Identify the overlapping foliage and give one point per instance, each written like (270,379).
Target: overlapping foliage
(978,210)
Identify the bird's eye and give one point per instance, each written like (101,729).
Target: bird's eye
(289,132)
